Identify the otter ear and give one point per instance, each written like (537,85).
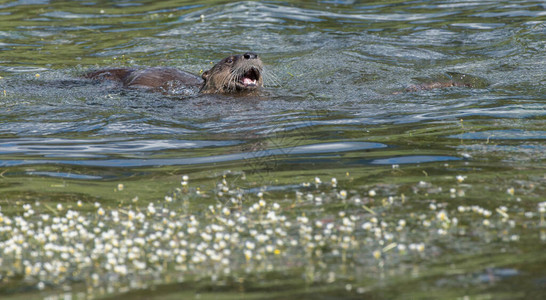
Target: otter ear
(205,75)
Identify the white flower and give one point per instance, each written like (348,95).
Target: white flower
(250,245)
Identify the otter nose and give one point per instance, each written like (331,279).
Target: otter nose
(250,55)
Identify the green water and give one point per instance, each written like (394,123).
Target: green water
(333,183)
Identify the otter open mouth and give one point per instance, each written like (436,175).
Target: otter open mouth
(250,78)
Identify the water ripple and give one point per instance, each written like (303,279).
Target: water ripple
(118,163)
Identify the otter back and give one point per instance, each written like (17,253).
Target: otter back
(155,78)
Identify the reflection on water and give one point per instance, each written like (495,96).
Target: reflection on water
(412,160)
(334,106)
(98,147)
(502,135)
(315,149)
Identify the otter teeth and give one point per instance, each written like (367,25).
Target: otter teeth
(248,81)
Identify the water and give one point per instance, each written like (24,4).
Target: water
(334,106)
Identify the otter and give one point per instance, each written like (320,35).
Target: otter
(447,80)
(437,85)
(235,73)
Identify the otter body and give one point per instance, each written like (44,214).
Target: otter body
(236,73)
(436,85)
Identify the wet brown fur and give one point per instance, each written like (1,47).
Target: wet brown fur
(224,77)
(436,85)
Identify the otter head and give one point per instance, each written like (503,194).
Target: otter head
(235,73)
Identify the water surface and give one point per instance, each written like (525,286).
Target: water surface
(334,106)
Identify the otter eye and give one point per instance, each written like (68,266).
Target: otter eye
(229,60)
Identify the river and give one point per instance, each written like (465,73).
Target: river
(335,181)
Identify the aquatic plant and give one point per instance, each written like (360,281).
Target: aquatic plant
(116,249)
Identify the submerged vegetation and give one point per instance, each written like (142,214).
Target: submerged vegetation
(343,241)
